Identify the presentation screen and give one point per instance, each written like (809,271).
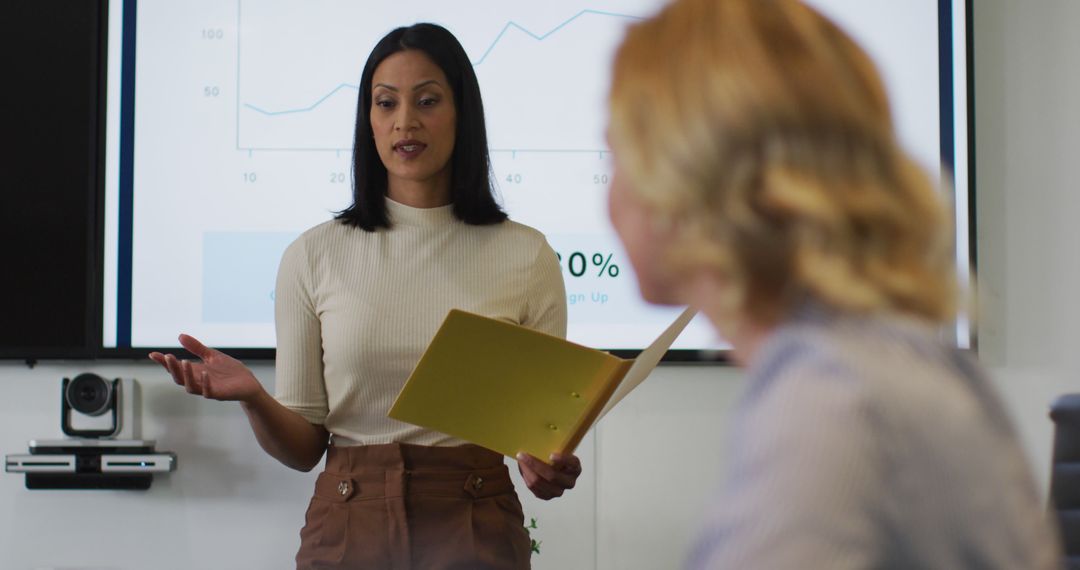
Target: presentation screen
(229,132)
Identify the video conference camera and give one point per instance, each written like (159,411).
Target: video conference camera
(93,396)
(102,448)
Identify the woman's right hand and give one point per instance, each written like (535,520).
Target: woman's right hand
(218,377)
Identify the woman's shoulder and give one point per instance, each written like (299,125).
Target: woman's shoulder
(840,337)
(328,232)
(879,359)
(320,240)
(518,232)
(330,229)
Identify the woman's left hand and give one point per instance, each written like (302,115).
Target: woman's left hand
(549,481)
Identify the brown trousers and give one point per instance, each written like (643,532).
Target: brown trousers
(398,507)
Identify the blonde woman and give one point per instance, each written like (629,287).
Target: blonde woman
(758,177)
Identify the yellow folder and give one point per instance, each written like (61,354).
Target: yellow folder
(509,388)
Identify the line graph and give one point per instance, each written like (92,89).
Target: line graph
(476,63)
(540,56)
(542,37)
(303,109)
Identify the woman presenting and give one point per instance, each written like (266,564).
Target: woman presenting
(359,297)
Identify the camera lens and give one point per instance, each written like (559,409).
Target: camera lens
(89,394)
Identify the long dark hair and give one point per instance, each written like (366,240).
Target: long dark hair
(470,182)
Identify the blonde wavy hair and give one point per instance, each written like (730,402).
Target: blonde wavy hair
(763,134)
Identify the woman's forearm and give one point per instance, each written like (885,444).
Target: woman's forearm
(285,434)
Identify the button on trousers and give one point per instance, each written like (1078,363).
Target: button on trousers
(398,507)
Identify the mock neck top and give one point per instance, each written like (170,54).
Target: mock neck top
(355,310)
(409,216)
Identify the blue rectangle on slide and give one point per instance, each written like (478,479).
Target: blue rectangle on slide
(239,270)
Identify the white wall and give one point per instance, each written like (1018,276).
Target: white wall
(1028,146)
(228,505)
(652,461)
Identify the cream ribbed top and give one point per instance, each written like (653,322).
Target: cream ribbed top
(354,310)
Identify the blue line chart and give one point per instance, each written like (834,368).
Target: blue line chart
(498,38)
(542,37)
(310,107)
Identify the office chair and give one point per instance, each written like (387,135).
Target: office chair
(1065,474)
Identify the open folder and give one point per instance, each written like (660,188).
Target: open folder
(509,388)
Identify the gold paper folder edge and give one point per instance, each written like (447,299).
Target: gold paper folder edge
(603,401)
(615,370)
(589,418)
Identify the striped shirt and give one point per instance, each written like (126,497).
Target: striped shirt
(355,310)
(866,442)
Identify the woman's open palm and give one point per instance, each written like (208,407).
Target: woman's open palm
(218,377)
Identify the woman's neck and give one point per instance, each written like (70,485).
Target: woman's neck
(745,335)
(430,193)
(745,340)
